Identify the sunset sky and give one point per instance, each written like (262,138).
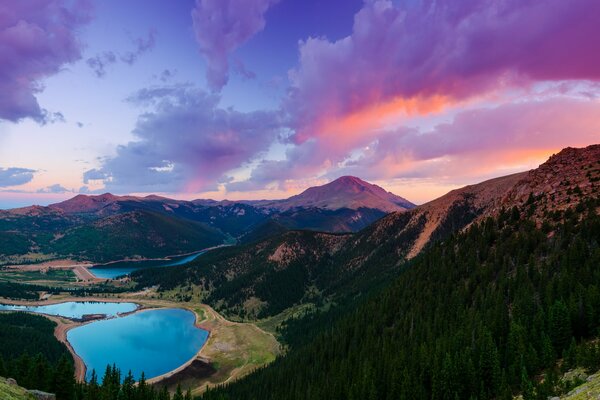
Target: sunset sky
(248,99)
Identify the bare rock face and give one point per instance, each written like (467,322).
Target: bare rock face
(38,394)
(11,381)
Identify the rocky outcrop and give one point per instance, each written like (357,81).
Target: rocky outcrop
(39,395)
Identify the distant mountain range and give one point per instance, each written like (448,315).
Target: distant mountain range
(107,227)
(306,267)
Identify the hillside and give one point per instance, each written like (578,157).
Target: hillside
(134,234)
(260,279)
(485,313)
(11,391)
(377,252)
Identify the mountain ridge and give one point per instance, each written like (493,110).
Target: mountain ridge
(344,192)
(379,250)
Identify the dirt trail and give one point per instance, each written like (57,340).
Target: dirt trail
(60,332)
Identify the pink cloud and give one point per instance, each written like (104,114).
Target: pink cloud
(37,38)
(478,143)
(221,26)
(445,49)
(417,58)
(482,141)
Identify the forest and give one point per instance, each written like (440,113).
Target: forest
(481,315)
(32,356)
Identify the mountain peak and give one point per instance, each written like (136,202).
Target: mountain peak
(350,180)
(347,192)
(83,203)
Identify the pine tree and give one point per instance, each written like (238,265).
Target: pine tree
(64,379)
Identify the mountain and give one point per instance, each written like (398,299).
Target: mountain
(346,192)
(506,308)
(134,234)
(345,205)
(325,267)
(88,204)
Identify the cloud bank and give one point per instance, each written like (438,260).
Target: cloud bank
(405,59)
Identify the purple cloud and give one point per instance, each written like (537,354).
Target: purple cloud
(186,143)
(15,176)
(221,26)
(417,54)
(37,38)
(454,49)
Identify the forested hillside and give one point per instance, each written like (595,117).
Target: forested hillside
(479,315)
(263,278)
(31,354)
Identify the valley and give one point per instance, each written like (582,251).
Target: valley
(286,304)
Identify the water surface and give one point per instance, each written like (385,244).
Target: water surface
(75,309)
(114,270)
(152,341)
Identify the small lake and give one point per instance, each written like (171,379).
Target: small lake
(152,341)
(75,309)
(114,270)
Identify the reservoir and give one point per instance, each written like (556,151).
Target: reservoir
(75,309)
(152,341)
(114,270)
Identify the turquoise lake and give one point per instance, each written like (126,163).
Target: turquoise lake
(153,341)
(111,271)
(76,309)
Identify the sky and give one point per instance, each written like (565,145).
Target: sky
(253,99)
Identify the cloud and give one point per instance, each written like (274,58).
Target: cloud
(476,144)
(185,143)
(241,70)
(166,75)
(37,39)
(56,188)
(100,62)
(405,59)
(481,141)
(142,45)
(15,176)
(405,55)
(220,27)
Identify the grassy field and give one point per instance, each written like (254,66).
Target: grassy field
(52,275)
(270,324)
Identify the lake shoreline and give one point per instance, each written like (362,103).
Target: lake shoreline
(63,327)
(238,348)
